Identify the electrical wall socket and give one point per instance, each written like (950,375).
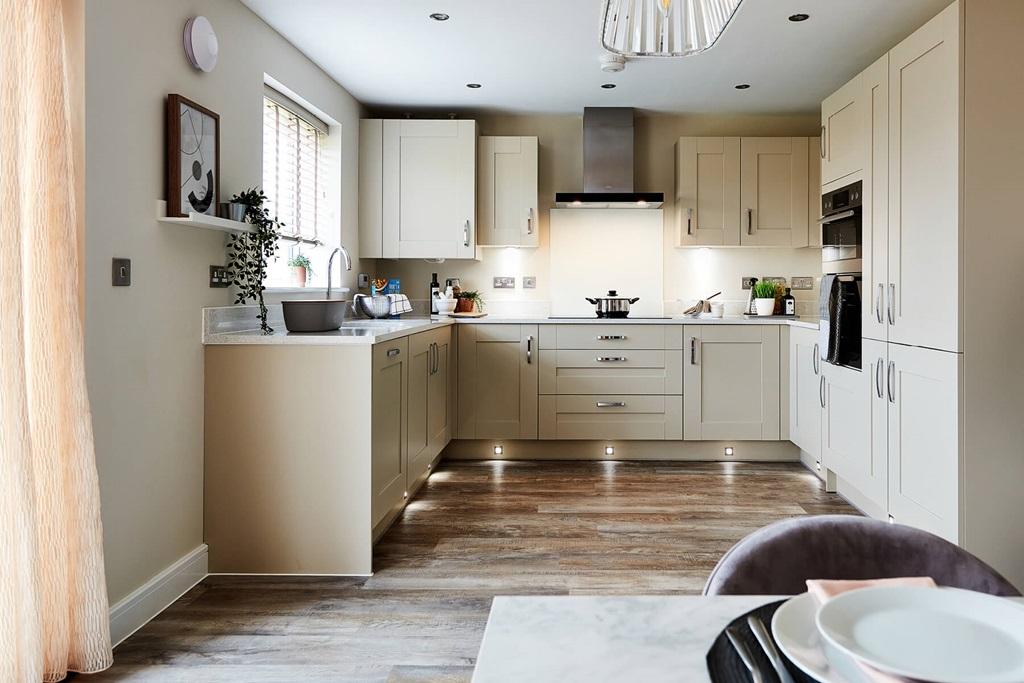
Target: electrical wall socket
(219,276)
(777,280)
(748,281)
(363,281)
(504,283)
(803,282)
(529,282)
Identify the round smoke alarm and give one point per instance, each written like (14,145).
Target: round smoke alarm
(200,43)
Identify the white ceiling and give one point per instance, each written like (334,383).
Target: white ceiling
(542,55)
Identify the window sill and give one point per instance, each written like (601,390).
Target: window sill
(305,290)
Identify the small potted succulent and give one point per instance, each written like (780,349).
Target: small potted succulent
(764,297)
(301,269)
(469,302)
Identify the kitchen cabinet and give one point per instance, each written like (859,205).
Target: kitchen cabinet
(417,186)
(497,381)
(707,201)
(813,195)
(840,147)
(922,391)
(924,186)
(874,82)
(430,389)
(611,416)
(804,391)
(508,191)
(773,191)
(389,458)
(731,382)
(846,410)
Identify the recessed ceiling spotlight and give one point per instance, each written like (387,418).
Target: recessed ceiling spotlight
(607,86)
(439,16)
(799,17)
(474,86)
(742,86)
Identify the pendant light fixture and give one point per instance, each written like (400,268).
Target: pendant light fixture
(664,28)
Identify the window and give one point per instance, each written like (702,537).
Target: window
(295,172)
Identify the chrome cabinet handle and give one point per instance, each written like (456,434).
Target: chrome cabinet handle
(465,234)
(878,377)
(529,350)
(693,350)
(878,302)
(529,221)
(393,352)
(821,391)
(611,337)
(430,362)
(816,360)
(889,304)
(750,221)
(611,359)
(611,404)
(437,357)
(821,143)
(892,381)
(689,221)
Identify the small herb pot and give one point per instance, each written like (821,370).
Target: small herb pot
(465,306)
(299,276)
(765,306)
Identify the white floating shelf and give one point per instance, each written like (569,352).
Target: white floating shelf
(201,220)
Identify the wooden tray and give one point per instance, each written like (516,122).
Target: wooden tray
(473,314)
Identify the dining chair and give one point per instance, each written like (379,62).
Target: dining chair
(779,558)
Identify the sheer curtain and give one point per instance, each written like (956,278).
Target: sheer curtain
(53,602)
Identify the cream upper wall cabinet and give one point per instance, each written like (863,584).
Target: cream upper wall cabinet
(840,147)
(924,185)
(707,200)
(417,186)
(813,196)
(731,382)
(508,191)
(497,381)
(875,199)
(924,438)
(804,391)
(773,191)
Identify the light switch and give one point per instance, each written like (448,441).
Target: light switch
(121,272)
(529,282)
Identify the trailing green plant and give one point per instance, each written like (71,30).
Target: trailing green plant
(765,289)
(474,297)
(248,251)
(301,261)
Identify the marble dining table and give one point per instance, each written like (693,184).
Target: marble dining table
(605,638)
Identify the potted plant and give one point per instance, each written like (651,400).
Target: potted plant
(764,297)
(248,251)
(469,302)
(301,269)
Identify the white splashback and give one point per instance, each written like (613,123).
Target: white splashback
(594,250)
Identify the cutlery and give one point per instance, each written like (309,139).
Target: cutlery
(744,653)
(764,638)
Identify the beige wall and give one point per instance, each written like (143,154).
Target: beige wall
(143,353)
(689,273)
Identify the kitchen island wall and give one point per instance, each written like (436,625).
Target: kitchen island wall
(689,274)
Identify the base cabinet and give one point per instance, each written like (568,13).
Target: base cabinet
(804,391)
(497,381)
(731,382)
(390,451)
(430,414)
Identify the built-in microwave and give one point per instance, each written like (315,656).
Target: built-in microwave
(841,231)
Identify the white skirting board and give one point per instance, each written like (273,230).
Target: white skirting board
(151,598)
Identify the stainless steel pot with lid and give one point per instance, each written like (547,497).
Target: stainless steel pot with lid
(612,305)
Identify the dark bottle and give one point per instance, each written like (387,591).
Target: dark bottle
(788,303)
(435,291)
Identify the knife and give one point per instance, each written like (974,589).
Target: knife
(763,637)
(744,653)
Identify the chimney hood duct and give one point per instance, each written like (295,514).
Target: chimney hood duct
(608,164)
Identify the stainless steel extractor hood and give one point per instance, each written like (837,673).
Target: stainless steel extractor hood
(608,164)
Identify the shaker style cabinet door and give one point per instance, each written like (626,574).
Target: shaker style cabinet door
(846,440)
(390,451)
(508,191)
(875,199)
(429,189)
(840,147)
(924,186)
(731,382)
(429,412)
(773,189)
(804,396)
(707,201)
(497,381)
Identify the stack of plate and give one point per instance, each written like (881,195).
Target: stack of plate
(941,635)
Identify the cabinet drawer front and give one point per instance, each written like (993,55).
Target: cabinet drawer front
(611,417)
(613,336)
(611,372)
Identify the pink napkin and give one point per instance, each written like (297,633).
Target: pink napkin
(824,590)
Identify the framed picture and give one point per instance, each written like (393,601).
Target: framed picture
(193,158)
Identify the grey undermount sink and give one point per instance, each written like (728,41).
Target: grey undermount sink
(314,315)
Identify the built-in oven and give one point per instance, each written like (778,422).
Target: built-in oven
(841,283)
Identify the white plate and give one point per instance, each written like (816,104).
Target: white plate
(944,636)
(797,636)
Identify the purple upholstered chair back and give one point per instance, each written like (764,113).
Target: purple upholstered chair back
(777,559)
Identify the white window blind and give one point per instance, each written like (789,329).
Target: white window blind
(293,171)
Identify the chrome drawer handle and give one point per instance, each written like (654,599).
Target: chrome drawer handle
(891,303)
(465,235)
(821,391)
(611,337)
(529,350)
(878,303)
(393,352)
(891,381)
(816,359)
(611,404)
(611,359)
(878,378)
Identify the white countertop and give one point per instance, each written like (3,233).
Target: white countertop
(585,638)
(811,323)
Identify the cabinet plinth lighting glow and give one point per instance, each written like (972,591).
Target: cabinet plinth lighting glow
(609,450)
(498,450)
(729,450)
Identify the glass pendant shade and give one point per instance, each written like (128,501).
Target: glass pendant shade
(664,28)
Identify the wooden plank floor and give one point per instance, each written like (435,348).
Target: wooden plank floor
(476,529)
